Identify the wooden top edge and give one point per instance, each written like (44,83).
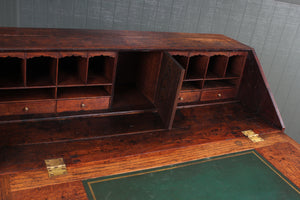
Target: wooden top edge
(46,39)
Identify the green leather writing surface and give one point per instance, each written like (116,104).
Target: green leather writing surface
(244,175)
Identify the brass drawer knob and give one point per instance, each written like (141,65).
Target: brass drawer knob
(219,95)
(180,98)
(82,105)
(26,109)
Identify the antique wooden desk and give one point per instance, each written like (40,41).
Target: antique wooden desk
(108,102)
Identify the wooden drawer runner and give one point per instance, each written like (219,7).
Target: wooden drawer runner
(185,97)
(217,94)
(23,108)
(83,104)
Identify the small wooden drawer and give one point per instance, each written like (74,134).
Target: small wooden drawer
(83,104)
(37,107)
(216,94)
(4,109)
(186,97)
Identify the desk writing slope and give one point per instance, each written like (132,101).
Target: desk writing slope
(125,82)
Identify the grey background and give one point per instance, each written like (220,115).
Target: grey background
(271,27)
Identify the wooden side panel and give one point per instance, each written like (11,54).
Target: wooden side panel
(255,92)
(169,82)
(149,67)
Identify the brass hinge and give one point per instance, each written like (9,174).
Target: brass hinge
(56,167)
(252,136)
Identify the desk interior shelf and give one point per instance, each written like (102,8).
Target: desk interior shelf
(141,76)
(211,71)
(41,71)
(12,72)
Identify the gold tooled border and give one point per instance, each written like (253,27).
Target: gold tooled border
(194,163)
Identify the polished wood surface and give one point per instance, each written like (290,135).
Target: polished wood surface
(68,39)
(279,149)
(111,102)
(113,135)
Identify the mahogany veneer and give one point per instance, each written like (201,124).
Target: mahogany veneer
(90,95)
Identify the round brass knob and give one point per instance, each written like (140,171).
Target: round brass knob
(219,95)
(180,98)
(82,105)
(26,109)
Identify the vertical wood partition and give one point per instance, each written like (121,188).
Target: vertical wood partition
(255,92)
(113,73)
(169,84)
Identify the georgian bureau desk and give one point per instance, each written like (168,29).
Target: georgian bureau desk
(92,96)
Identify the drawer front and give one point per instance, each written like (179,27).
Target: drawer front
(217,94)
(83,104)
(4,109)
(185,97)
(24,108)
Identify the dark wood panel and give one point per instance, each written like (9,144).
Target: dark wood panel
(42,53)
(185,97)
(169,84)
(68,39)
(84,104)
(81,128)
(4,109)
(63,138)
(25,108)
(148,74)
(255,92)
(12,54)
(32,107)
(217,66)
(216,94)
(82,92)
(197,67)
(72,70)
(13,72)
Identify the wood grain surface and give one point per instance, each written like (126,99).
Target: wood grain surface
(34,39)
(279,149)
